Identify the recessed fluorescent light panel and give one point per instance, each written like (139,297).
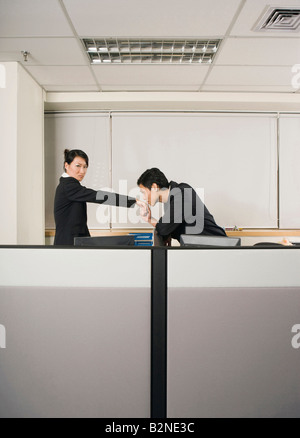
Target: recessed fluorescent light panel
(279,19)
(137,51)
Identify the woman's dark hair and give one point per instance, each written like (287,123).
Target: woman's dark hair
(151,176)
(71,154)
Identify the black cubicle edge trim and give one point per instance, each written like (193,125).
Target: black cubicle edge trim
(152,248)
(159,333)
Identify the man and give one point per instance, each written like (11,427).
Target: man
(184,212)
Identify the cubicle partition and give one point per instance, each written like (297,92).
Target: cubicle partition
(77,325)
(232,317)
(149,332)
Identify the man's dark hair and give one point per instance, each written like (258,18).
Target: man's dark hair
(151,176)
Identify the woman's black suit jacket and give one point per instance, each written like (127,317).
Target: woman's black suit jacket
(70,208)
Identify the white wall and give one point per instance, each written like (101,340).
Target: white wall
(21,146)
(8,151)
(172,101)
(30,161)
(289,175)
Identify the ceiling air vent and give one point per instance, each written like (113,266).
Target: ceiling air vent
(279,19)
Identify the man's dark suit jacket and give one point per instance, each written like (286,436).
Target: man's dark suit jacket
(70,208)
(185,213)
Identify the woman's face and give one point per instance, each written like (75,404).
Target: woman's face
(77,169)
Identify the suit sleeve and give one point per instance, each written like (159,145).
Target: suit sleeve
(173,215)
(75,192)
(184,207)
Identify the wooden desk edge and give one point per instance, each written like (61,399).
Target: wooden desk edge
(263,233)
(107,232)
(230,233)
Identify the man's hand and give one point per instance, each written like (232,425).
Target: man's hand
(168,241)
(145,212)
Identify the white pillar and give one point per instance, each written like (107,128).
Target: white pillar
(22,157)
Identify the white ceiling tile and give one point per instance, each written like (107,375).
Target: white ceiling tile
(247,61)
(61,75)
(151,18)
(43,51)
(152,75)
(259,51)
(33,18)
(253,11)
(240,75)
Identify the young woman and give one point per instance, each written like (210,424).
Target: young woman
(71,198)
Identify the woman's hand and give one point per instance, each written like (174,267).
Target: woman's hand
(286,242)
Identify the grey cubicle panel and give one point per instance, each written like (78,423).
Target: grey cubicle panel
(232,338)
(77,333)
(175,332)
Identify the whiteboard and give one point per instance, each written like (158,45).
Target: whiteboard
(231,157)
(90,133)
(289,171)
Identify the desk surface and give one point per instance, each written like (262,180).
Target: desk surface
(230,233)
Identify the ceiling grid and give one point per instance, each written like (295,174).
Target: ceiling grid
(247,60)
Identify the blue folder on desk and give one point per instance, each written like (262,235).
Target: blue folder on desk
(142,239)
